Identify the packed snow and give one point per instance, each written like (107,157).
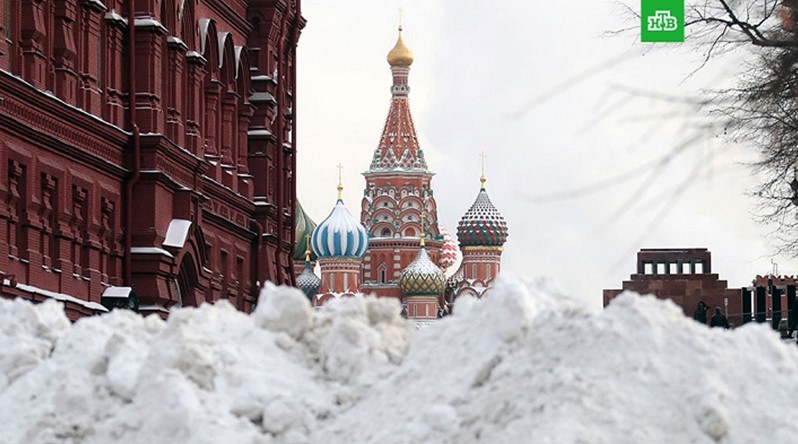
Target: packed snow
(522,366)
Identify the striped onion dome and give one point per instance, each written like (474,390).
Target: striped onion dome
(308,282)
(422,277)
(448,253)
(340,235)
(303,226)
(482,225)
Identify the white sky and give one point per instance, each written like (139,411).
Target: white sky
(537,86)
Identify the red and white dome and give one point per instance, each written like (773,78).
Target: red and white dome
(482,225)
(448,252)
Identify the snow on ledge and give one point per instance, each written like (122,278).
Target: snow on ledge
(177,233)
(259,132)
(117,292)
(153,308)
(149,23)
(60,297)
(150,250)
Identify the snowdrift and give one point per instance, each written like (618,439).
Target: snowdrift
(521,367)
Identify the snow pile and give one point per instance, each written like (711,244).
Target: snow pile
(28,334)
(522,366)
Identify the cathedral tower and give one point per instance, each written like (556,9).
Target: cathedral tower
(340,243)
(421,283)
(307,281)
(481,232)
(398,192)
(303,228)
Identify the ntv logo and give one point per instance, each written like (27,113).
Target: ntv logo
(661,20)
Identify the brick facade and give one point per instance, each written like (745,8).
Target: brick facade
(188,199)
(683,275)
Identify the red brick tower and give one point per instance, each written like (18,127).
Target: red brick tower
(398,191)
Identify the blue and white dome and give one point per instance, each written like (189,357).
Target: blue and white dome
(340,235)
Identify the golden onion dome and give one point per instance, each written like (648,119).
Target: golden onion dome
(400,55)
(422,277)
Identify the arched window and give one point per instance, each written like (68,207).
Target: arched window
(386,232)
(382,272)
(410,232)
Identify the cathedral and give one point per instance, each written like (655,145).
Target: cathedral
(398,248)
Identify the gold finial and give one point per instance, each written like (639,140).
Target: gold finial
(400,55)
(340,182)
(423,234)
(307,248)
(482,178)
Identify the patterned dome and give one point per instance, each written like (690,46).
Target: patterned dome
(422,277)
(308,282)
(448,254)
(482,225)
(303,226)
(340,235)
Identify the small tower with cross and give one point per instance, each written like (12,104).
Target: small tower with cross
(422,282)
(340,242)
(481,232)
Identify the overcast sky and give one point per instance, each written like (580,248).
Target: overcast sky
(544,92)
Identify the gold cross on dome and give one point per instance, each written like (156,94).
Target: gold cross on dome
(340,181)
(482,178)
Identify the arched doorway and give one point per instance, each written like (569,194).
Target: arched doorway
(186,283)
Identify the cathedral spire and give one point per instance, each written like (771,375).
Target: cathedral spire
(398,148)
(398,194)
(482,178)
(307,249)
(340,182)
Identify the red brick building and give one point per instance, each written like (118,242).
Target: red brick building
(771,298)
(683,275)
(188,199)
